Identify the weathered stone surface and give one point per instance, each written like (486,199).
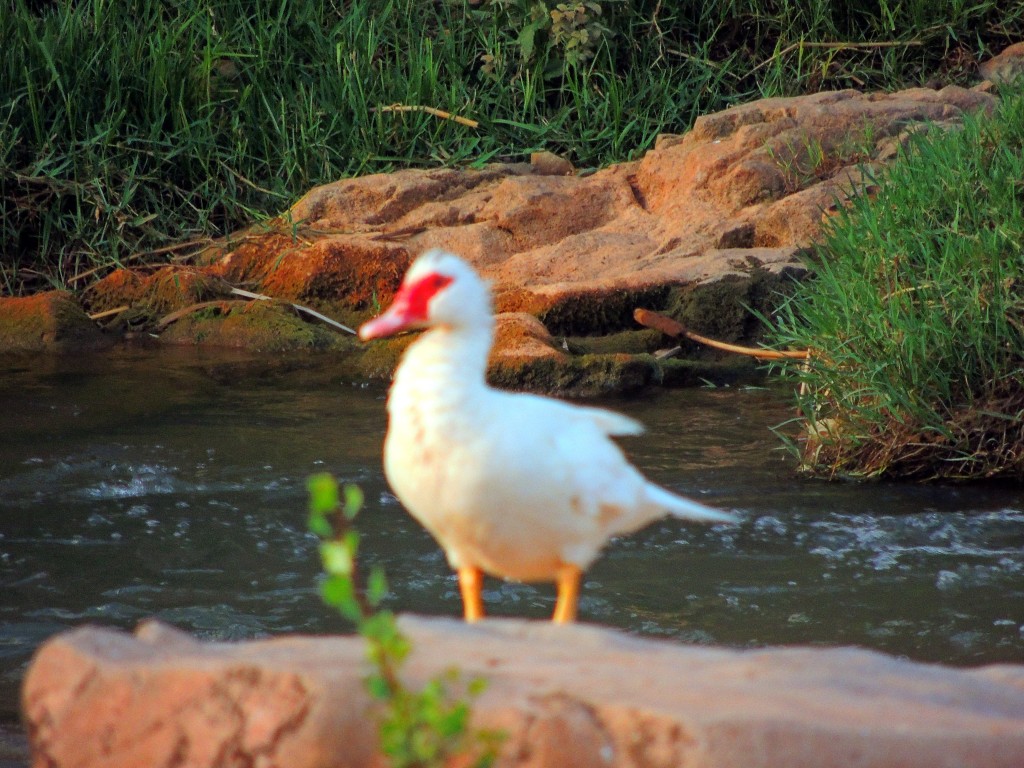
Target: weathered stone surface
(738,198)
(47,322)
(1006,67)
(743,192)
(564,696)
(159,293)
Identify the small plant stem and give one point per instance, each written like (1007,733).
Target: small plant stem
(386,666)
(841,46)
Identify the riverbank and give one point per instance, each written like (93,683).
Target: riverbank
(132,132)
(710,227)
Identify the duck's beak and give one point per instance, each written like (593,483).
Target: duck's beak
(395,320)
(409,309)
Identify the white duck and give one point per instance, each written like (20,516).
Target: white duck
(515,485)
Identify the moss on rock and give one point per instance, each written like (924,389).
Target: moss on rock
(722,309)
(261,325)
(629,342)
(50,321)
(581,376)
(154,296)
(599,312)
(379,359)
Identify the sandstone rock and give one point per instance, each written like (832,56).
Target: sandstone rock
(160,293)
(1006,67)
(737,198)
(564,696)
(753,177)
(550,164)
(47,322)
(520,337)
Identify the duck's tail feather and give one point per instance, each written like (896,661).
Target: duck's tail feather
(682,507)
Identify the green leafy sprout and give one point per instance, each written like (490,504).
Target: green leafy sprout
(417,728)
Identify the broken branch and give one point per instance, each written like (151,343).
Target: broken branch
(674,328)
(299,307)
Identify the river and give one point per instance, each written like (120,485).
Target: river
(172,484)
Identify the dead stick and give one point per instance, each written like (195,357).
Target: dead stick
(430,111)
(178,314)
(298,307)
(109,312)
(670,327)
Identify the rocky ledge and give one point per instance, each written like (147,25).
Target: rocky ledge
(563,696)
(703,227)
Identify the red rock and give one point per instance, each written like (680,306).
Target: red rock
(767,169)
(164,291)
(51,321)
(564,696)
(738,198)
(1005,67)
(350,271)
(521,337)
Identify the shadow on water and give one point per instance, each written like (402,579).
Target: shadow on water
(172,485)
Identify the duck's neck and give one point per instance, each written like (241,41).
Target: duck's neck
(446,362)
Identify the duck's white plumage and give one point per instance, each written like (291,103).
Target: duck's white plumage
(517,485)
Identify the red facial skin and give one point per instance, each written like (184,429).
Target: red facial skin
(409,309)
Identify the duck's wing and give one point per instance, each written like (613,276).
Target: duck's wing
(608,422)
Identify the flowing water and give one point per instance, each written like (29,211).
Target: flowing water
(142,484)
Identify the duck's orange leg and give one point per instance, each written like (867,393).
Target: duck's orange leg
(568,594)
(471,584)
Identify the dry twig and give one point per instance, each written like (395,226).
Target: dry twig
(177,315)
(110,312)
(430,111)
(299,307)
(670,327)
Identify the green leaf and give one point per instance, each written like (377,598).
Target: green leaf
(376,586)
(528,37)
(336,590)
(353,500)
(477,686)
(338,558)
(378,687)
(323,493)
(339,592)
(320,526)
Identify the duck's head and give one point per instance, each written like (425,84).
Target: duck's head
(440,289)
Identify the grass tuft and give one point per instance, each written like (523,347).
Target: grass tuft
(916,316)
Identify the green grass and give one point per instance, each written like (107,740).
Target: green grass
(130,126)
(916,316)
